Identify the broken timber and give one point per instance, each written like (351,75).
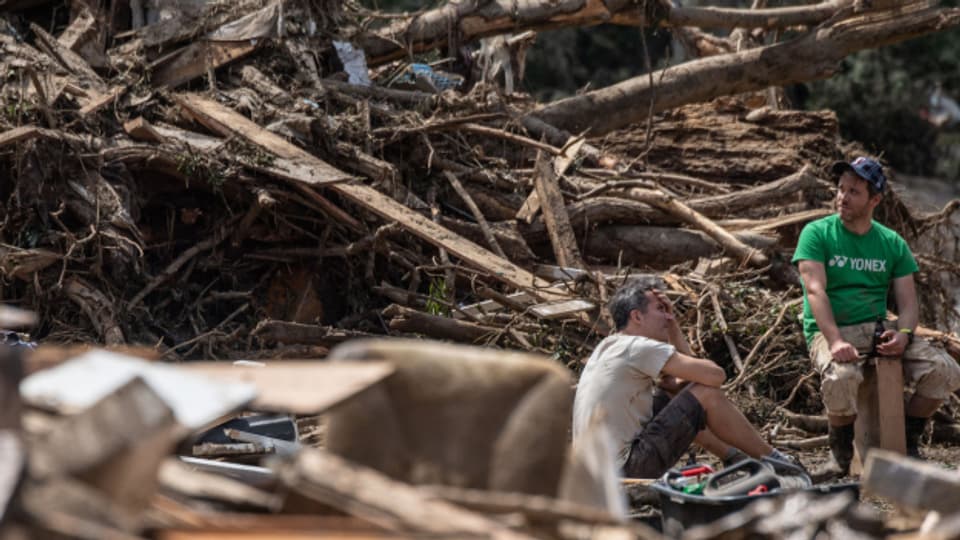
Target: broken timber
(911,483)
(227,122)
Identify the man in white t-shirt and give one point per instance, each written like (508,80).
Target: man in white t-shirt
(652,430)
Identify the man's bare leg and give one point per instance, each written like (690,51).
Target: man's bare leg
(840,421)
(921,407)
(918,410)
(711,443)
(727,423)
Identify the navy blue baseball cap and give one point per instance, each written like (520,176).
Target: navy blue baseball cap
(867,168)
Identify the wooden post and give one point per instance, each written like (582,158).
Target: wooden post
(890,405)
(880,418)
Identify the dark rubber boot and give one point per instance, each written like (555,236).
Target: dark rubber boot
(915,428)
(841,454)
(734,457)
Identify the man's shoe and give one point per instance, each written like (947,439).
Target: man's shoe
(915,426)
(785,464)
(736,456)
(841,454)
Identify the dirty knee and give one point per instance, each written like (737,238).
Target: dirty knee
(839,386)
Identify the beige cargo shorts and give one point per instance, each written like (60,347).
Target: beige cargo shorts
(933,373)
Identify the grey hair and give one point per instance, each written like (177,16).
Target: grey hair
(631,296)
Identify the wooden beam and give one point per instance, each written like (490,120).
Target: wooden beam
(140,129)
(195,59)
(912,483)
(370,495)
(115,423)
(559,310)
(555,215)
(228,122)
(100,101)
(71,61)
(890,405)
(560,165)
(299,387)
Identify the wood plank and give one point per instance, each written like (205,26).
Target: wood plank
(177,476)
(560,310)
(890,406)
(227,122)
(530,207)
(560,273)
(71,61)
(84,380)
(116,422)
(372,496)
(195,59)
(83,37)
(912,483)
(195,140)
(560,165)
(102,100)
(140,129)
(299,387)
(251,475)
(479,309)
(555,215)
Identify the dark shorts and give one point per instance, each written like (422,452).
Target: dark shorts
(662,442)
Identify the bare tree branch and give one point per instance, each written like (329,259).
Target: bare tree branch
(468,20)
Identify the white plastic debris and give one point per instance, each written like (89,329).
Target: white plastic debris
(354,63)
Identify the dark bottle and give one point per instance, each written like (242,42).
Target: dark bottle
(877,336)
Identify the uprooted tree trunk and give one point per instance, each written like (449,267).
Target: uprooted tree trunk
(813,56)
(470,20)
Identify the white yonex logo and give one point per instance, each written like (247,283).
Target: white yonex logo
(868,265)
(838,260)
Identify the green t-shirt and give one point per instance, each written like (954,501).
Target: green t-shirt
(859,269)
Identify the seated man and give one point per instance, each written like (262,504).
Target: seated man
(620,379)
(847,262)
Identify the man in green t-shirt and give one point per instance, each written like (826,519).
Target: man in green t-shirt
(847,262)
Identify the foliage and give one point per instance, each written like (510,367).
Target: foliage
(879,94)
(438,295)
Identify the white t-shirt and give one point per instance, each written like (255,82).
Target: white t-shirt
(619,380)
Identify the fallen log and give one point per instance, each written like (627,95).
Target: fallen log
(813,56)
(619,210)
(470,21)
(309,334)
(411,321)
(659,247)
(98,308)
